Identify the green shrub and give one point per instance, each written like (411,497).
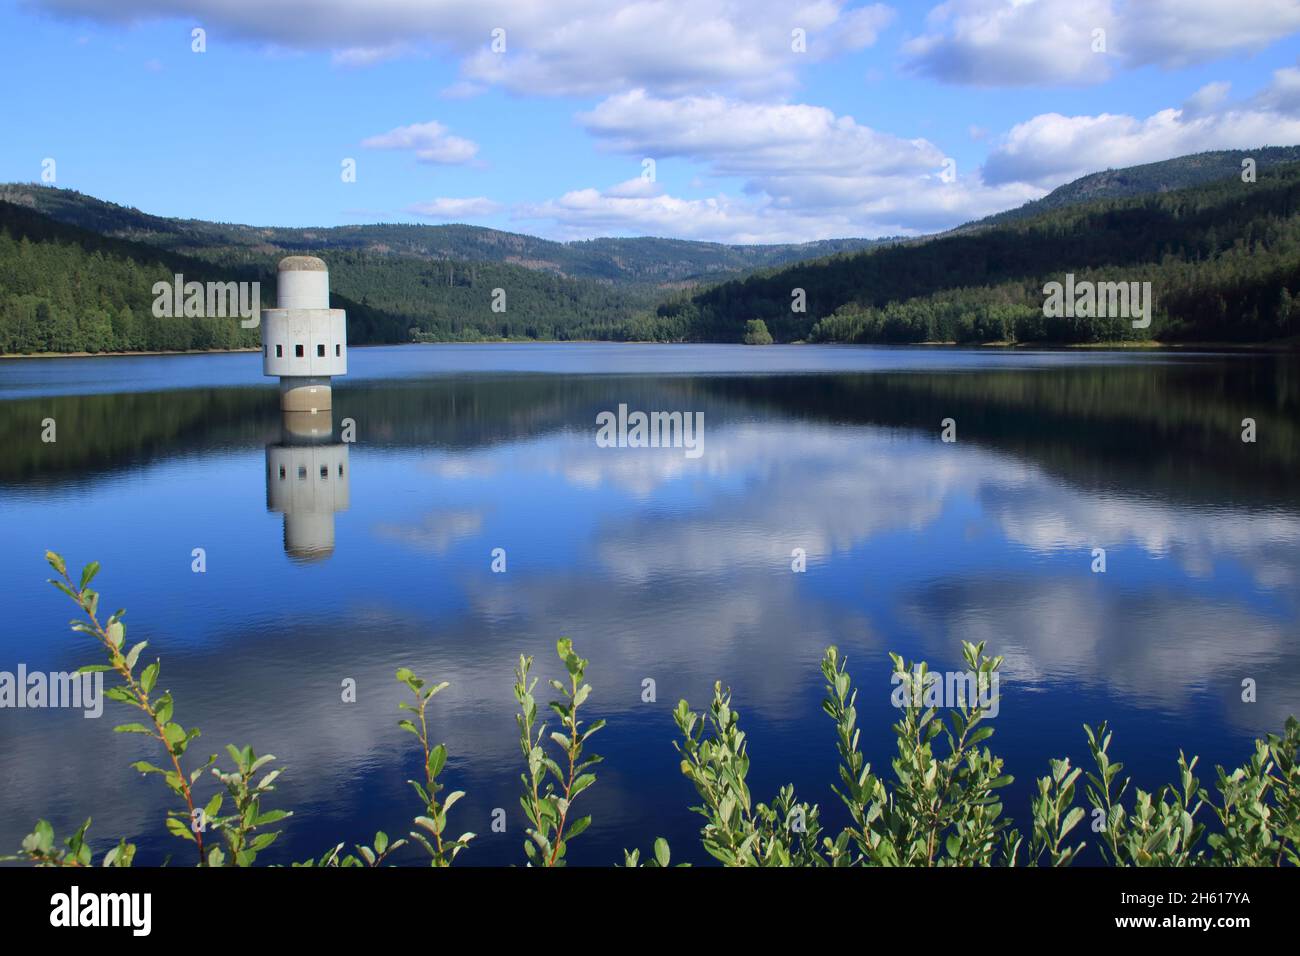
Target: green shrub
(940,809)
(756,333)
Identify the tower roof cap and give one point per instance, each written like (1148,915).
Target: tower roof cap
(302,264)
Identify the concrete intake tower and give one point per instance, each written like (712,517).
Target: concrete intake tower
(304,341)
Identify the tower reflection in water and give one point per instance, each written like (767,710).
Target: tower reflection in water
(307,477)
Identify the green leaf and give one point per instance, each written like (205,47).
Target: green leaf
(134,654)
(178,828)
(576,827)
(437,760)
(173,733)
(213,808)
(662,854)
(44,834)
(149,677)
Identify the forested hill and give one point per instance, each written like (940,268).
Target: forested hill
(643,260)
(68,289)
(1223,259)
(1169,174)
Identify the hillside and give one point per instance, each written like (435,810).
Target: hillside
(1222,256)
(643,260)
(64,288)
(1223,259)
(1148,179)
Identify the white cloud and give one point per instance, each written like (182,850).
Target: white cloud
(363,56)
(430,141)
(1283,94)
(807,174)
(461,90)
(585,213)
(557,47)
(894,207)
(444,207)
(1207,99)
(1050,149)
(672,45)
(1032,42)
(744,138)
(1012,42)
(1175,33)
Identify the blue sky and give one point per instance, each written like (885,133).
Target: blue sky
(752,139)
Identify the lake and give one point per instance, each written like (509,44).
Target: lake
(660,566)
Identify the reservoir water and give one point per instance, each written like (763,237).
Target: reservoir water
(364,556)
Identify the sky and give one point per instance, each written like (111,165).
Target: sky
(742,121)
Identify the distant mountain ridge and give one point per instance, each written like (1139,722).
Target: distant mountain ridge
(76,272)
(636,260)
(1222,258)
(1147,179)
(640,260)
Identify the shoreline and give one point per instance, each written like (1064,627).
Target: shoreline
(1281,346)
(53,355)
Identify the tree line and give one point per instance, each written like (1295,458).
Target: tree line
(1223,259)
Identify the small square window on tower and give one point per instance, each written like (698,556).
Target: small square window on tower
(297,351)
(279,351)
(338,350)
(320,350)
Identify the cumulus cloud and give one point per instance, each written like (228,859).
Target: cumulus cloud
(811,208)
(1051,148)
(1011,42)
(1282,95)
(445,207)
(559,47)
(1207,99)
(738,137)
(592,212)
(1032,42)
(362,56)
(673,46)
(431,143)
(807,174)
(1175,33)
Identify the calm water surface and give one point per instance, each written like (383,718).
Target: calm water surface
(657,565)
